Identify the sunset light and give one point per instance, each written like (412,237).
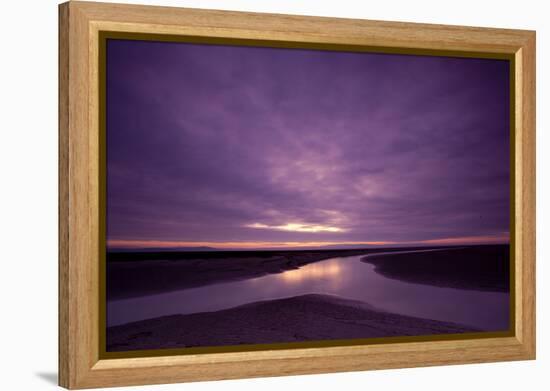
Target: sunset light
(248,245)
(259,245)
(294,227)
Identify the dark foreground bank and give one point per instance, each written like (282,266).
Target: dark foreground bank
(485,268)
(296,319)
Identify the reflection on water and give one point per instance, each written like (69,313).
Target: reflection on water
(346,277)
(317,271)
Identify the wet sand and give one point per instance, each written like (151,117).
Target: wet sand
(302,318)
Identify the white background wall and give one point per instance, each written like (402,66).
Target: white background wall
(28,194)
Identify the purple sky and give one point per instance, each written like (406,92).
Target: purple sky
(241,146)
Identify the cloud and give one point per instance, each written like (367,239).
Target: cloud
(296,227)
(205,141)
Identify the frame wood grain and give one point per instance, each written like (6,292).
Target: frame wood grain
(80,365)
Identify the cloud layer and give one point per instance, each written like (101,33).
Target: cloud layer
(233,144)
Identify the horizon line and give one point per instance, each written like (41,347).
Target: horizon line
(502,238)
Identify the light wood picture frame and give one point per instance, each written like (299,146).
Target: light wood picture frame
(82,26)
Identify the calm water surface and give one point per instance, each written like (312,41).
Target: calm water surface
(347,277)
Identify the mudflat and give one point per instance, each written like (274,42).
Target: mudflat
(310,317)
(484,268)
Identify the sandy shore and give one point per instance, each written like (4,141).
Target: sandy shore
(484,268)
(302,318)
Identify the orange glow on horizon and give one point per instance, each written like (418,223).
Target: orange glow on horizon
(231,245)
(250,245)
(484,239)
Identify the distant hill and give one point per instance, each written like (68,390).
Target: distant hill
(161,249)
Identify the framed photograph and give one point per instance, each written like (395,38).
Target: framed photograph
(247,195)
